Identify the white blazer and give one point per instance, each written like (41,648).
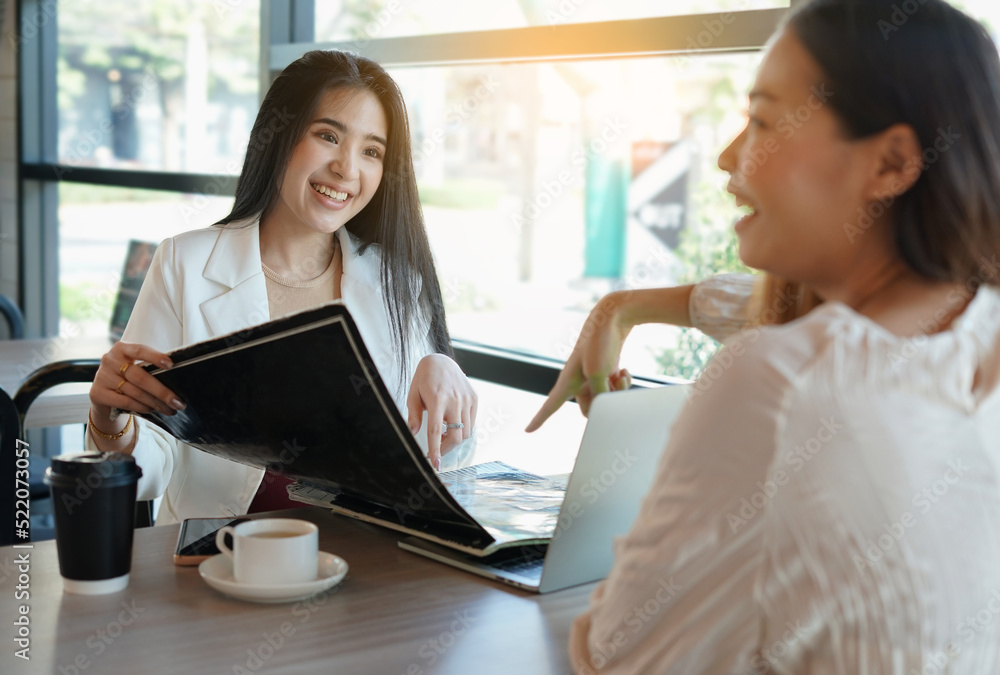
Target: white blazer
(207,283)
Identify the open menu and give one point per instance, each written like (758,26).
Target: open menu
(301,396)
(514,507)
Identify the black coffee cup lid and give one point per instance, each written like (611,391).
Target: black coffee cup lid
(113,468)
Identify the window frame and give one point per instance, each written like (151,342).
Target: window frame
(746,30)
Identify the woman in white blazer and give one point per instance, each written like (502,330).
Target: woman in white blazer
(326,207)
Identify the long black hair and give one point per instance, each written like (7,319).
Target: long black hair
(927,65)
(392,219)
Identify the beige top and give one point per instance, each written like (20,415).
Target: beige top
(287,296)
(828,504)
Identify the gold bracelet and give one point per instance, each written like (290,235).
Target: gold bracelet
(110,437)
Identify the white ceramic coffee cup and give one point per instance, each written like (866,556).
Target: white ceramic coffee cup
(272,551)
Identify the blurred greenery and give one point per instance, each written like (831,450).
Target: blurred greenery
(83,193)
(79,302)
(127,35)
(145,47)
(708,245)
(463,193)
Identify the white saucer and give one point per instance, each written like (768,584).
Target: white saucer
(217,572)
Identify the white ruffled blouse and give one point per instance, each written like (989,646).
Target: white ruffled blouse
(828,503)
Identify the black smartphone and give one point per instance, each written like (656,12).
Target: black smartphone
(196,542)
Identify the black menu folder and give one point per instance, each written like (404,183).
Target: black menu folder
(301,396)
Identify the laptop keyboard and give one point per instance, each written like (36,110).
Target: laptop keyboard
(522,567)
(517,560)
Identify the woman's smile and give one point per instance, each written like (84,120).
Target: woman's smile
(334,195)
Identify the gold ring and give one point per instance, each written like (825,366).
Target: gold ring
(124,368)
(119,387)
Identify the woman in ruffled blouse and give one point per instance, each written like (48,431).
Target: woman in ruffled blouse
(829,500)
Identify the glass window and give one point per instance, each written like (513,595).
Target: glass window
(987,11)
(169,85)
(96,226)
(371,19)
(545,186)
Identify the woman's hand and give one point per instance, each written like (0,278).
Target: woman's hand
(118,384)
(592,368)
(441,388)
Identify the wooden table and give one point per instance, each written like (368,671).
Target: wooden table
(395,614)
(65,404)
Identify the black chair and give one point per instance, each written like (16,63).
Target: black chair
(14,317)
(10,430)
(51,375)
(46,377)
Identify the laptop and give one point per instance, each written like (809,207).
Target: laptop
(621,446)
